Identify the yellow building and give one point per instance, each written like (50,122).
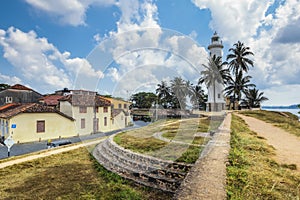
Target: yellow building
(92,113)
(118,104)
(34,122)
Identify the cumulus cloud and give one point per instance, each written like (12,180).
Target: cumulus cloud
(10,80)
(274,39)
(236,19)
(71,12)
(142,53)
(40,62)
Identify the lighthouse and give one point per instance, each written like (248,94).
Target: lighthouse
(216,101)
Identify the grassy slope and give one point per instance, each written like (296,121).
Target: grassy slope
(142,140)
(71,175)
(284,120)
(252,173)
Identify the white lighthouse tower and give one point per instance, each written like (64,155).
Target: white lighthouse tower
(217,102)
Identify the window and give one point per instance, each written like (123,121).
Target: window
(120,106)
(97,109)
(82,109)
(219,95)
(125,106)
(40,126)
(82,123)
(105,121)
(8,99)
(105,109)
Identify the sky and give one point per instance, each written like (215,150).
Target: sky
(121,47)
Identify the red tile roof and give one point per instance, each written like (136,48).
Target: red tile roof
(20,87)
(86,100)
(29,108)
(51,100)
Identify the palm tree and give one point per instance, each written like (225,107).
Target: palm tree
(238,58)
(214,73)
(179,91)
(237,86)
(254,98)
(163,93)
(198,97)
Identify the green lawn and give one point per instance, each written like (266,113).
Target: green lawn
(70,175)
(142,140)
(252,173)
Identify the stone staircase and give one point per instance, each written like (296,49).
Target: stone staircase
(143,169)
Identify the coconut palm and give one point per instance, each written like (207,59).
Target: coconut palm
(238,59)
(254,98)
(179,91)
(214,73)
(235,87)
(163,93)
(198,97)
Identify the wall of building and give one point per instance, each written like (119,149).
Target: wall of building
(101,115)
(118,122)
(56,126)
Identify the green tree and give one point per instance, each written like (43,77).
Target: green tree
(238,59)
(179,92)
(143,100)
(4,86)
(198,97)
(254,98)
(214,73)
(237,86)
(163,93)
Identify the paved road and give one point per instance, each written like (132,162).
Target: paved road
(20,149)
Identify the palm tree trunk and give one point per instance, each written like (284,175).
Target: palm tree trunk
(215,96)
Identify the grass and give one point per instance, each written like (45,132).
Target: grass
(252,173)
(70,175)
(284,120)
(142,140)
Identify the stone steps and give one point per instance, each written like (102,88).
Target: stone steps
(145,170)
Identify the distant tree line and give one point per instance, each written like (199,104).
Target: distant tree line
(174,94)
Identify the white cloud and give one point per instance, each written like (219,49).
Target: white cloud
(10,80)
(72,12)
(273,37)
(142,53)
(236,20)
(40,62)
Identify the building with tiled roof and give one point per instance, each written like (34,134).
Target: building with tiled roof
(18,94)
(93,113)
(51,100)
(34,122)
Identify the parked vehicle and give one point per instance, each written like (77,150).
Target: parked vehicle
(58,143)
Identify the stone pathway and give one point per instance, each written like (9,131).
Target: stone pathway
(207,179)
(287,145)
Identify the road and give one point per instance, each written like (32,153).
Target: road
(20,149)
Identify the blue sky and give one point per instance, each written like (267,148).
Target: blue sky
(121,47)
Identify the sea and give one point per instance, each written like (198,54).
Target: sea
(293,111)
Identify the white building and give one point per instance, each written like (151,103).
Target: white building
(215,48)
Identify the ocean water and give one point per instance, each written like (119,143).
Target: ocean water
(293,111)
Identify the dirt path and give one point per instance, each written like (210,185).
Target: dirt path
(207,179)
(287,145)
(47,153)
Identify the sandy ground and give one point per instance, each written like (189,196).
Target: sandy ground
(47,153)
(207,179)
(287,145)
